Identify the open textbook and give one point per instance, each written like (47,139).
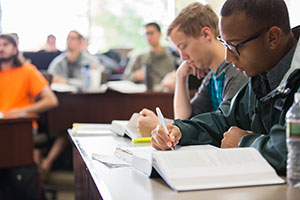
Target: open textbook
(129,128)
(202,166)
(140,157)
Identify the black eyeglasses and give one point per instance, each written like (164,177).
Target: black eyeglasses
(235,48)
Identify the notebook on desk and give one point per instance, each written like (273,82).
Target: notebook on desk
(129,128)
(89,129)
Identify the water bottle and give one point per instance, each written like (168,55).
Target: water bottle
(95,79)
(86,74)
(293,142)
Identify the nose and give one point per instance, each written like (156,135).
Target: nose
(183,55)
(229,56)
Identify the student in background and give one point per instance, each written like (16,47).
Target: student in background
(50,45)
(67,67)
(259,42)
(84,44)
(20,84)
(151,67)
(194,32)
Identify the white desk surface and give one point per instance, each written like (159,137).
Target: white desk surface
(126,183)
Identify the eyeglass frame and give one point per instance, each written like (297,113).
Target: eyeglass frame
(235,48)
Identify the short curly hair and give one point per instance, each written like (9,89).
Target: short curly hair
(266,13)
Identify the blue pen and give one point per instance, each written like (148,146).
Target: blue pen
(162,122)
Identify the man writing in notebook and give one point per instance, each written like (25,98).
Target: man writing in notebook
(259,42)
(194,32)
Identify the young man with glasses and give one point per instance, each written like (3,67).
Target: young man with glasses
(259,42)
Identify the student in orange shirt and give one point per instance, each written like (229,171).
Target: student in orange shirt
(20,84)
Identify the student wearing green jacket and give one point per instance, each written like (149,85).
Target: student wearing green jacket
(259,42)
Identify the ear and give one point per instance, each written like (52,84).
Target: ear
(206,32)
(15,50)
(274,37)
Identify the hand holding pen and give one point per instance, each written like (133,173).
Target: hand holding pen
(165,136)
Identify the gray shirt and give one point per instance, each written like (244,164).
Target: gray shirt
(234,80)
(155,65)
(60,66)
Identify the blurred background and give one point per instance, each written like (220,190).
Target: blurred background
(101,21)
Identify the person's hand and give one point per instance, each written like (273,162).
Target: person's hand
(186,68)
(14,113)
(139,75)
(169,81)
(161,141)
(59,79)
(147,120)
(233,136)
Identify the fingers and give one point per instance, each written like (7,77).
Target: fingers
(160,140)
(144,111)
(194,71)
(174,136)
(141,118)
(199,74)
(223,141)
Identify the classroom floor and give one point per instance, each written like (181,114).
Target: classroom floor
(61,184)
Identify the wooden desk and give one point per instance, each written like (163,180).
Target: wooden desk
(16,143)
(103,108)
(93,180)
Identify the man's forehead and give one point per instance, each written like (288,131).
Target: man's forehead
(236,27)
(178,36)
(3,40)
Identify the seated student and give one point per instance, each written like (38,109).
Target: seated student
(151,67)
(65,68)
(194,31)
(68,65)
(259,42)
(50,45)
(20,84)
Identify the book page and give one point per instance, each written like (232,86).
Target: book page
(220,167)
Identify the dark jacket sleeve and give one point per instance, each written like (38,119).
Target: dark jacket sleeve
(271,146)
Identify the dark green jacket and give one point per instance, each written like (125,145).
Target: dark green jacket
(265,117)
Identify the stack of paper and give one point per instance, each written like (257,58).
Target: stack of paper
(61,87)
(126,87)
(110,160)
(87,129)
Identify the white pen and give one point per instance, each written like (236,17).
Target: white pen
(162,122)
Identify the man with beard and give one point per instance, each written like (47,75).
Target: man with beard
(20,84)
